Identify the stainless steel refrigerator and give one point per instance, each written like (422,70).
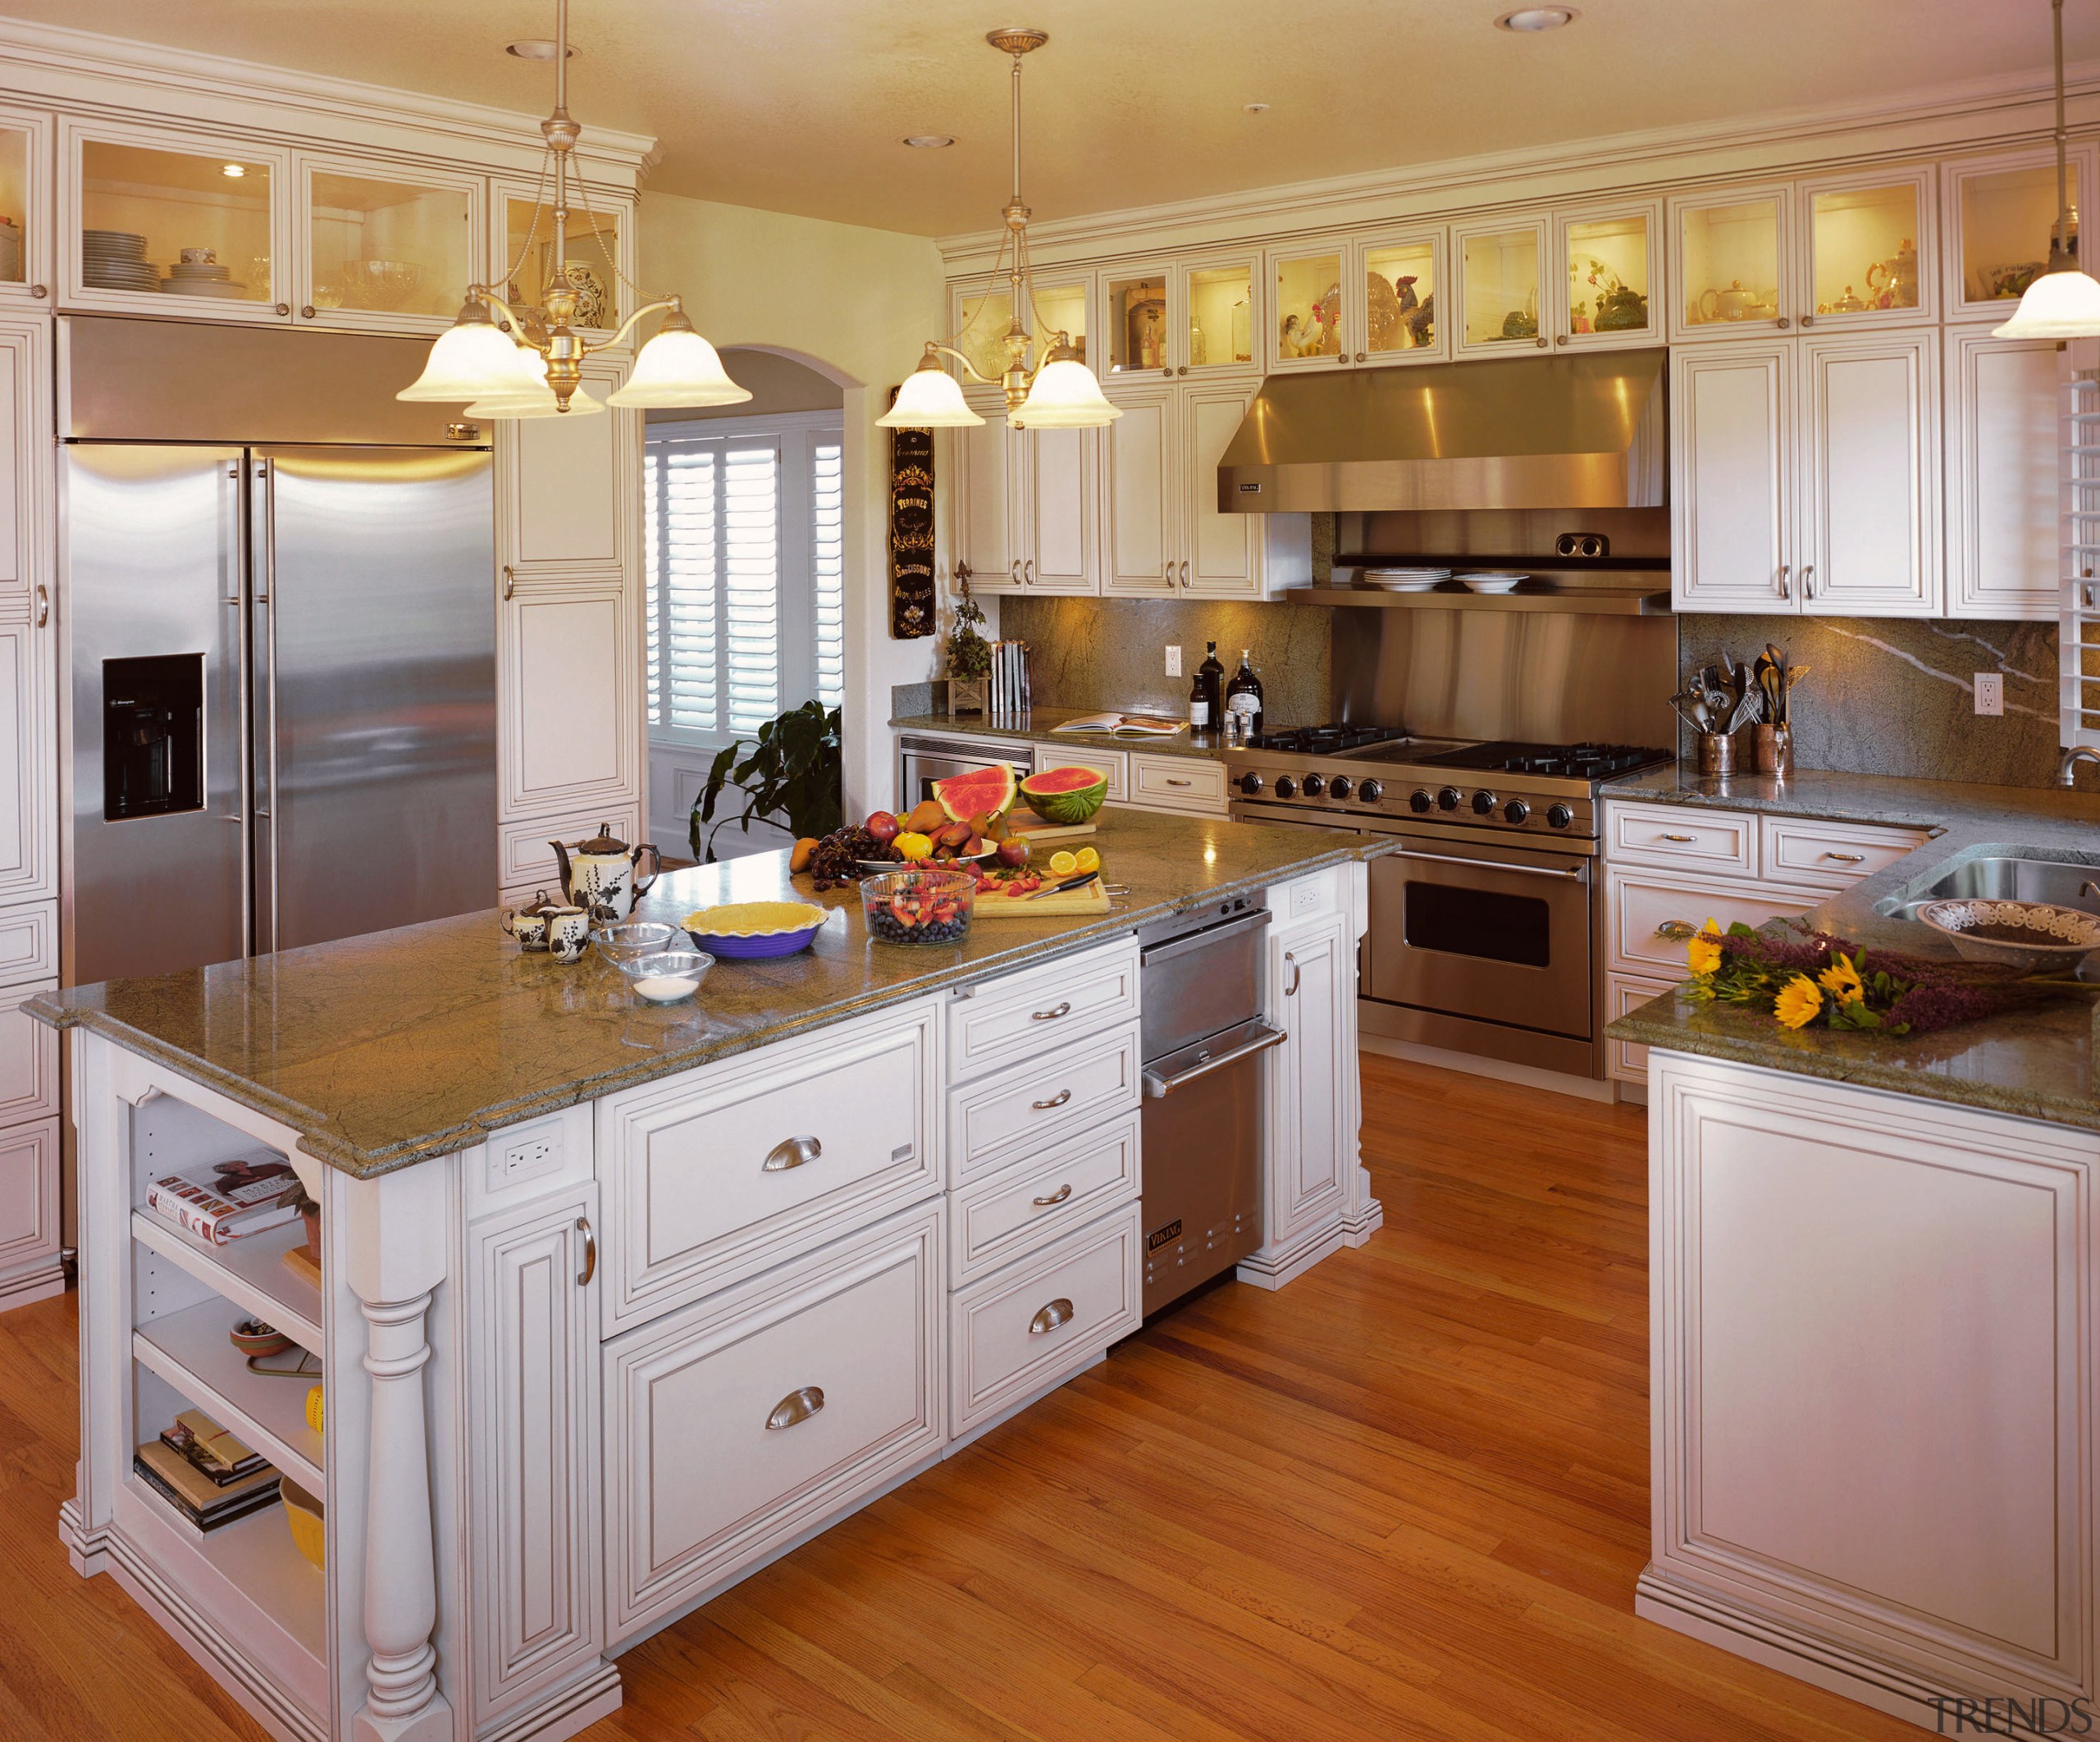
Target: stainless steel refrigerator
(282,637)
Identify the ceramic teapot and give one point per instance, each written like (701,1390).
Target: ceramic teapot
(1893,282)
(604,875)
(1734,303)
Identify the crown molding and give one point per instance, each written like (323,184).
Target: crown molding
(87,72)
(2007,109)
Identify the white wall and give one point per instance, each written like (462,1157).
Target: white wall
(859,303)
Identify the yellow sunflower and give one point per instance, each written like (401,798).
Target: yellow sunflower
(1702,950)
(1841,979)
(1798,1002)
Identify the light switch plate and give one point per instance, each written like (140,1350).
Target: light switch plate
(1990,692)
(1174,662)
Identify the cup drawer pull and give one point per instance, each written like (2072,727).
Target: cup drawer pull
(797,1406)
(1685,839)
(1676,930)
(791,1152)
(1058,1312)
(1057,1197)
(1058,1100)
(1847,858)
(1062,1010)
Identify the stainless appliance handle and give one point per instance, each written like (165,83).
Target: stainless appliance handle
(243,544)
(1494,865)
(269,601)
(1158,1088)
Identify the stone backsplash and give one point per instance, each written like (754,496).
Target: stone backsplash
(1896,696)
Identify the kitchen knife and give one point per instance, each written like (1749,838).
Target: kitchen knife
(1080,882)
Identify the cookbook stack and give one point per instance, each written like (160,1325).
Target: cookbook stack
(209,1477)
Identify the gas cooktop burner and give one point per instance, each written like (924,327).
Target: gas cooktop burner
(1556,761)
(1323,741)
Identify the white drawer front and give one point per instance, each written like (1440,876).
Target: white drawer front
(842,1352)
(29,1195)
(716,1175)
(1677,835)
(1000,1022)
(1627,1061)
(1020,1331)
(1641,906)
(1178,783)
(1829,855)
(1116,764)
(1022,1208)
(1012,1115)
(29,942)
(525,853)
(29,1059)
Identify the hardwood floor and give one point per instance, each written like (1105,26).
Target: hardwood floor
(1404,1498)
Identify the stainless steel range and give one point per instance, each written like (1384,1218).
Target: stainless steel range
(1484,921)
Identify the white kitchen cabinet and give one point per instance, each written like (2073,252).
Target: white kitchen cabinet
(1608,275)
(1174,320)
(27,543)
(1731,262)
(1222,557)
(27,181)
(601,262)
(29,1236)
(1732,477)
(1406,276)
(981,458)
(427,227)
(2003,428)
(1312,994)
(29,1059)
(533,1431)
(569,706)
(568,488)
(1055,510)
(29,758)
(1315,306)
(1140,491)
(1866,249)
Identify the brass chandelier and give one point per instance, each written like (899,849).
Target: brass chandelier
(1060,392)
(508,362)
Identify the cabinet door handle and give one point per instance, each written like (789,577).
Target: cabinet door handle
(284,308)
(1014,573)
(1678,931)
(1847,858)
(1058,1100)
(1057,1197)
(1028,572)
(1183,370)
(1786,587)
(1806,321)
(791,1152)
(1058,1312)
(1540,341)
(39,291)
(1784,323)
(1297,974)
(1185,572)
(306,312)
(42,604)
(1172,782)
(1668,836)
(509,582)
(590,1251)
(1361,357)
(796,1407)
(1062,1010)
(1808,580)
(1560,338)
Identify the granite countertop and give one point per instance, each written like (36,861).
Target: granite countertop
(2037,1063)
(1043,721)
(393,1047)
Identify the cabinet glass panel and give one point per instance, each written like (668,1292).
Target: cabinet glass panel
(14,203)
(2008,217)
(389,246)
(981,334)
(1220,316)
(1607,274)
(1309,305)
(1502,287)
(1059,308)
(1137,323)
(594,252)
(1863,242)
(1731,262)
(175,223)
(1399,283)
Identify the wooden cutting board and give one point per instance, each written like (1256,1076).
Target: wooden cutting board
(1091,901)
(1030,829)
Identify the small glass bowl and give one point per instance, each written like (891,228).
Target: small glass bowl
(922,905)
(665,976)
(621,944)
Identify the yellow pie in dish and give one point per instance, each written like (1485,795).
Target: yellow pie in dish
(750,930)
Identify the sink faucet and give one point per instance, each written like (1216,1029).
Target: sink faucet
(2067,770)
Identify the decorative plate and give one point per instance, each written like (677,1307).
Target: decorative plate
(2062,937)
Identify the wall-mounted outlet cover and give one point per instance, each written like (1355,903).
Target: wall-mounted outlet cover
(1990,692)
(1173,661)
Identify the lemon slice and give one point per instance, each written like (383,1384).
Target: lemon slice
(1087,859)
(1062,864)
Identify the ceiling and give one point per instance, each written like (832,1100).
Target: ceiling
(798,105)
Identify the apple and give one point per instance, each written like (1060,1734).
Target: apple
(1013,852)
(882,826)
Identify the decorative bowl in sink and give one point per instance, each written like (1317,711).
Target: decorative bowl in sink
(2024,934)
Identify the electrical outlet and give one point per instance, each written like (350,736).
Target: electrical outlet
(1990,692)
(527,1158)
(1174,662)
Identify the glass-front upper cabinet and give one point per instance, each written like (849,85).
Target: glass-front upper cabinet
(601,252)
(1137,337)
(1217,301)
(1610,276)
(25,264)
(1185,317)
(980,316)
(1729,276)
(383,249)
(1502,297)
(2000,214)
(1311,314)
(200,231)
(1401,276)
(1867,250)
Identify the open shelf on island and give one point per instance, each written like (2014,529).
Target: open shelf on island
(190,1351)
(250,1272)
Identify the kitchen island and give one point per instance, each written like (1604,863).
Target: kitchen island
(618,1302)
(1874,1298)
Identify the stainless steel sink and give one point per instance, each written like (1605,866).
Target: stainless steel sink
(2015,876)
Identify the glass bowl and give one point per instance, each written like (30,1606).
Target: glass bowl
(924,904)
(665,976)
(622,943)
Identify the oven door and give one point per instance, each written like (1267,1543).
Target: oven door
(1495,934)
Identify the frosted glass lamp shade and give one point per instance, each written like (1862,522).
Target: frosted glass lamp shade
(532,397)
(678,367)
(1065,396)
(2063,303)
(470,360)
(930,398)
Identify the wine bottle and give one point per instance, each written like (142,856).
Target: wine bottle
(1211,675)
(1242,696)
(1199,705)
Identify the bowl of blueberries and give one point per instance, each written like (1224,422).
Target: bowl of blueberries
(921,904)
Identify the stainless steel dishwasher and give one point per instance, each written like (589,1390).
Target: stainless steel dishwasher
(1201,1036)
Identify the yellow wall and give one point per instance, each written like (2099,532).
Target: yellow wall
(861,303)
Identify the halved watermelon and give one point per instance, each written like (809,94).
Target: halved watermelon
(983,793)
(1066,796)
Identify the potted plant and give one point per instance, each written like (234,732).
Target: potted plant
(969,653)
(795,770)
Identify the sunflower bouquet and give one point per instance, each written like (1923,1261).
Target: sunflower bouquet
(1814,978)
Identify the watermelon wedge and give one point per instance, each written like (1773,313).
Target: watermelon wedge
(982,793)
(1066,795)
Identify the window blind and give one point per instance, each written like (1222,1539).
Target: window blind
(828,567)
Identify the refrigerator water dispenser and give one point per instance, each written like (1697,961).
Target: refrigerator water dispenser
(152,735)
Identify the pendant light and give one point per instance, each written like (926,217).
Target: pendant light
(1061,393)
(2063,302)
(507,362)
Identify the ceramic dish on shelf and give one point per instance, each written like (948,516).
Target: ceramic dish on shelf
(205,287)
(1405,580)
(1493,581)
(755,931)
(2032,935)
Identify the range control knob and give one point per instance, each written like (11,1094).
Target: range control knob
(1340,787)
(1250,784)
(1370,792)
(1516,810)
(1483,804)
(1313,786)
(1560,816)
(1420,800)
(1448,799)
(1286,787)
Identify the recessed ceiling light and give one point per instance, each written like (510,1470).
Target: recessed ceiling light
(1531,19)
(534,48)
(929,141)
(1257,109)
(235,170)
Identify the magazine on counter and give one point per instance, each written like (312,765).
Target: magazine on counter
(1125,725)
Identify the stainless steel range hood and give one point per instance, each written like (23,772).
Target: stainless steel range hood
(1586,431)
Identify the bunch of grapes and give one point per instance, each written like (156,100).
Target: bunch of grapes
(836,863)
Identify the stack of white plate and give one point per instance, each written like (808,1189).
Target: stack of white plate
(116,260)
(1493,581)
(202,278)
(1405,580)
